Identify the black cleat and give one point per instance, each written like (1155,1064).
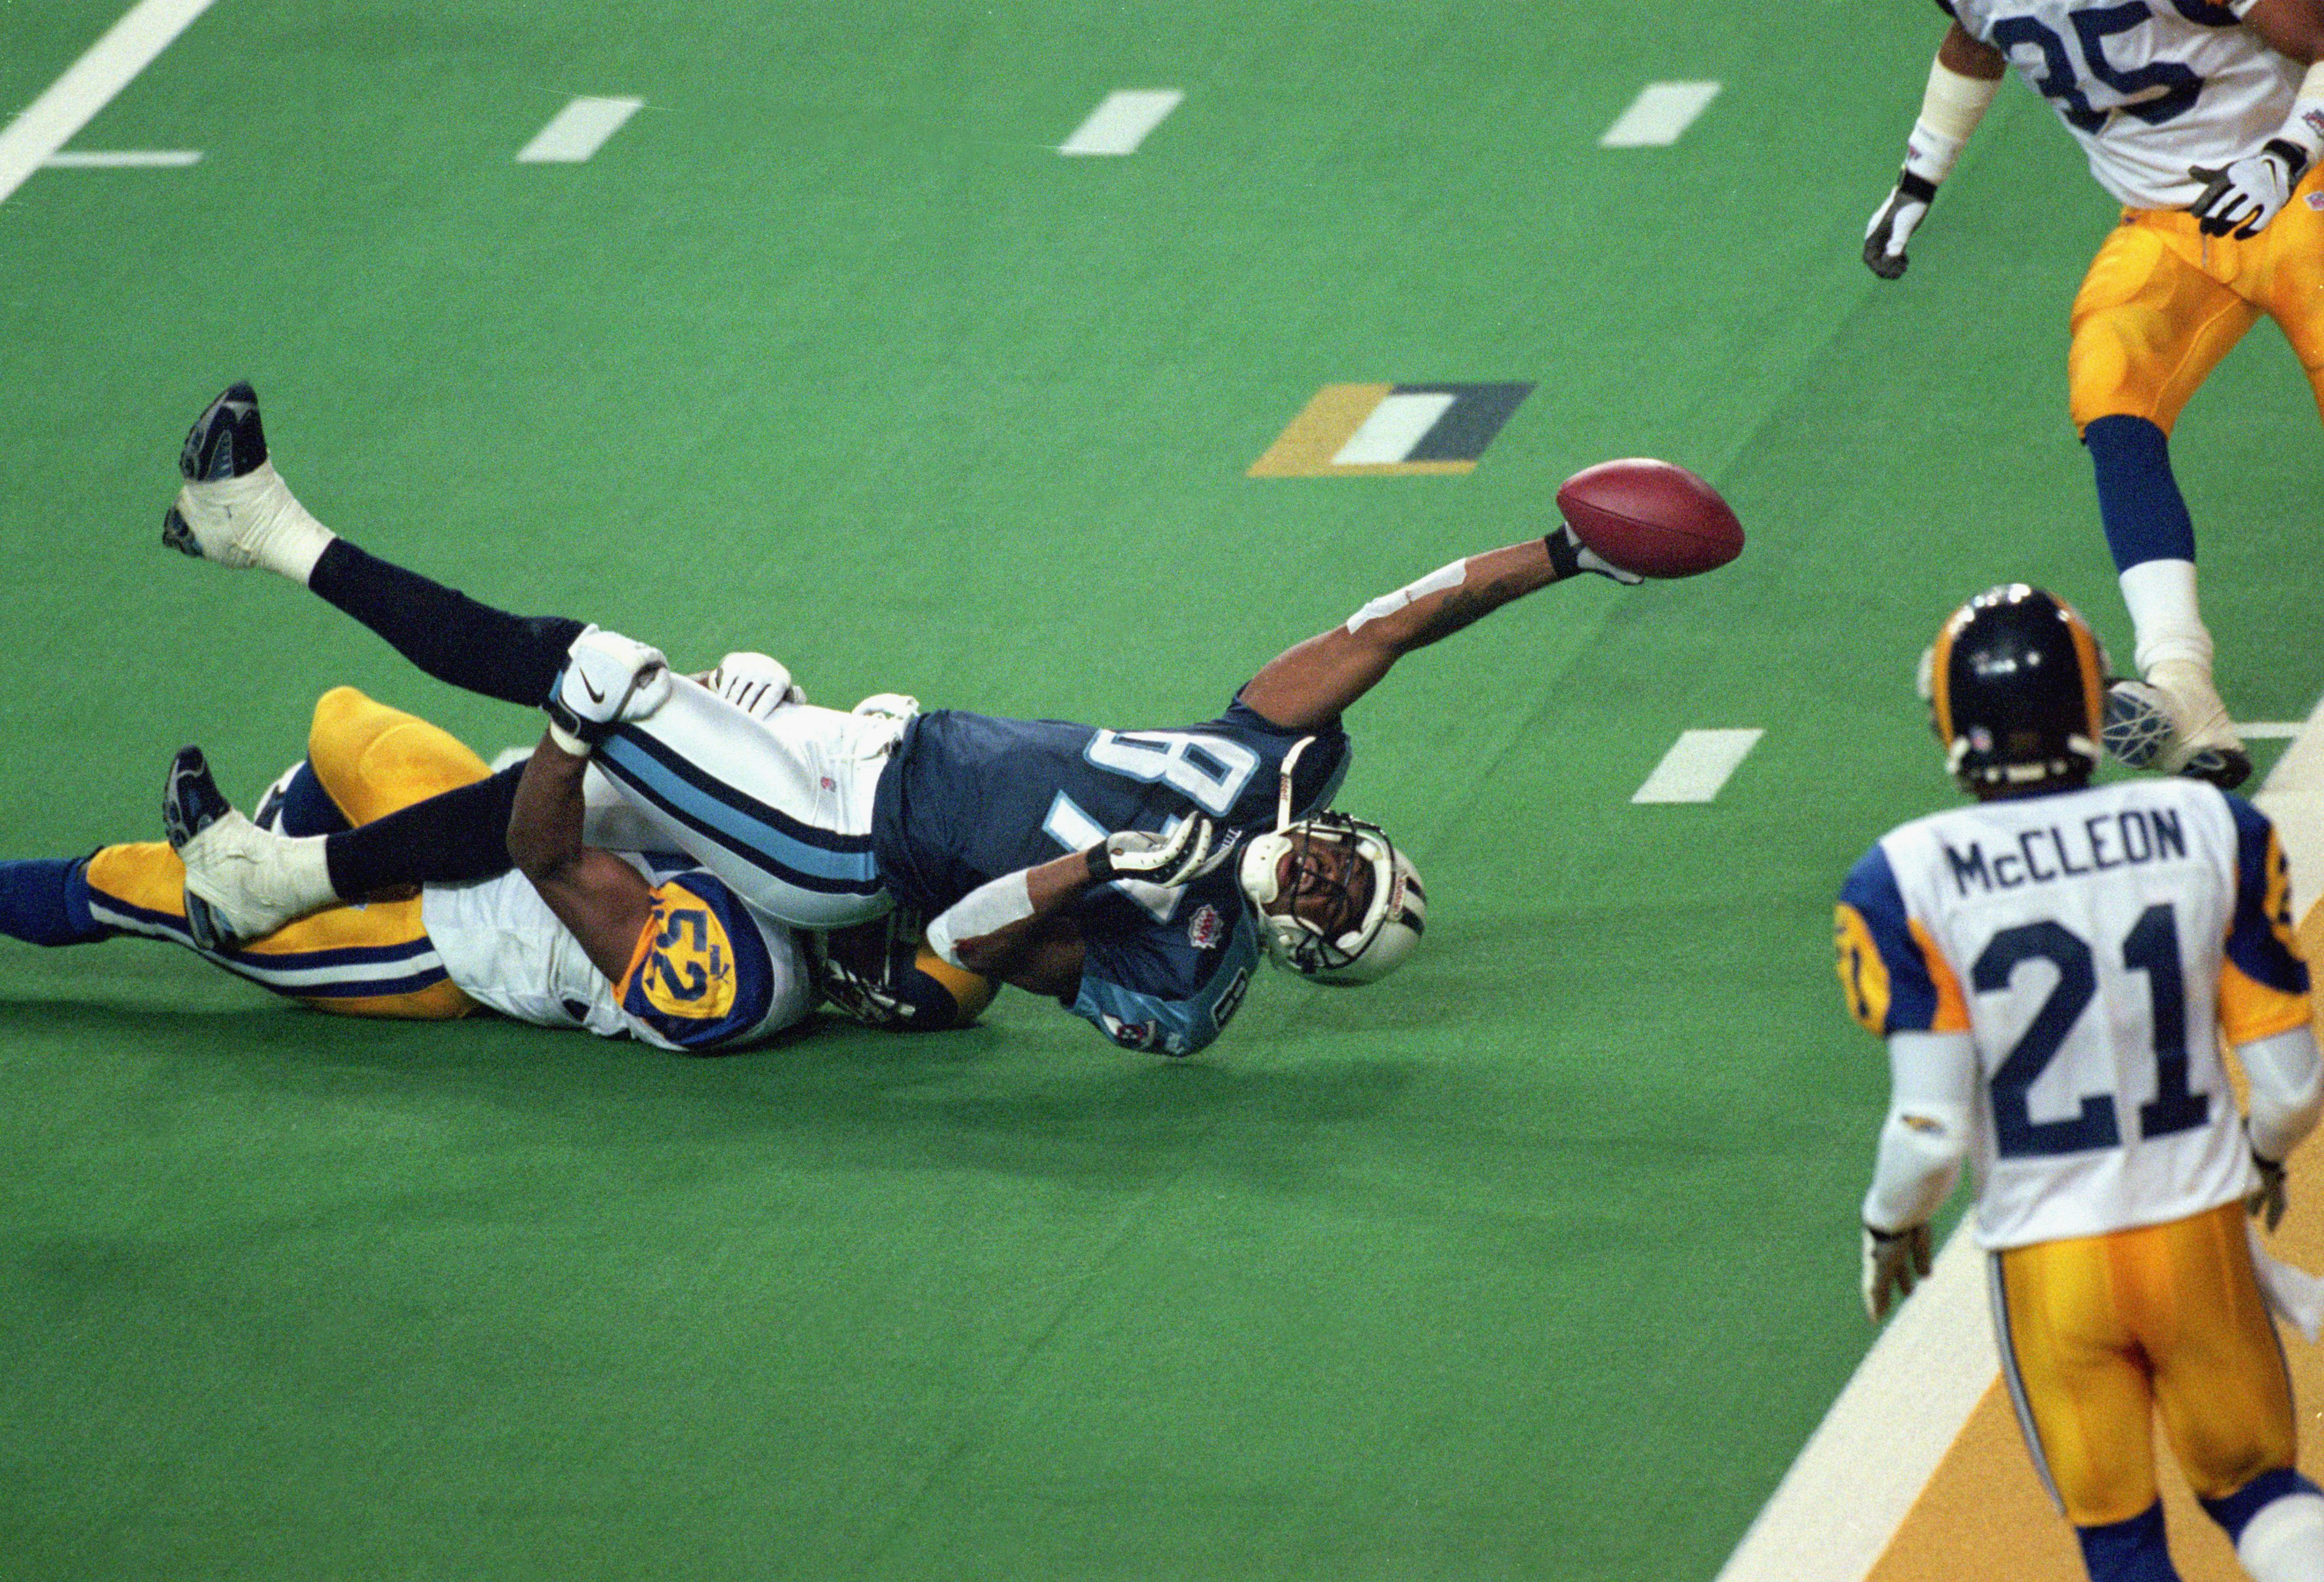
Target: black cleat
(191,804)
(227,441)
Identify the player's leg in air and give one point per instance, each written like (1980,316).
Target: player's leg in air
(778,806)
(2167,297)
(363,761)
(2149,326)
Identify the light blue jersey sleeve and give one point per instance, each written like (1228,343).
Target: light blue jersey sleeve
(1173,1026)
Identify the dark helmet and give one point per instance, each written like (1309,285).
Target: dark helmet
(2016,684)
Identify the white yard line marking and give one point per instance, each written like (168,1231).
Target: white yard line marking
(88,85)
(1393,427)
(1844,1498)
(1121,124)
(1661,113)
(2293,798)
(578,131)
(150,159)
(1839,1507)
(1697,765)
(2270,729)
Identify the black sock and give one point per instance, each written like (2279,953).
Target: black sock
(445,633)
(449,839)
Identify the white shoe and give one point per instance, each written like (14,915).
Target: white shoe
(234,509)
(2174,722)
(241,882)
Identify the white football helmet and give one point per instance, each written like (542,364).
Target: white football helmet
(1279,869)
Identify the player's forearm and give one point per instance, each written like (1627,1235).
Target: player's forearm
(604,902)
(990,929)
(2287,1089)
(1452,597)
(1925,1138)
(1962,82)
(544,832)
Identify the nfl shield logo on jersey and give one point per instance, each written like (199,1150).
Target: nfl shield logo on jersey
(1205,929)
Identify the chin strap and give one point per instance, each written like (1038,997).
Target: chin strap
(1283,791)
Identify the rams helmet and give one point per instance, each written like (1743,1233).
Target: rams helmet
(2015,684)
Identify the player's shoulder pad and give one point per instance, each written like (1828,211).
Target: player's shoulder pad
(700,975)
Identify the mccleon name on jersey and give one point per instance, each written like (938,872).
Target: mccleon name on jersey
(2092,1005)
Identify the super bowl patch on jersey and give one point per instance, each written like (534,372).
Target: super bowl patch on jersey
(1205,929)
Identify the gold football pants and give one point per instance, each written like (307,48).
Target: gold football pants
(2101,1333)
(2162,303)
(370,961)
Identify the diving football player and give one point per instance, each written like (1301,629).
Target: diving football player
(1087,864)
(2053,967)
(2204,120)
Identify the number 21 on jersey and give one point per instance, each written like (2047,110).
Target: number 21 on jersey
(2150,949)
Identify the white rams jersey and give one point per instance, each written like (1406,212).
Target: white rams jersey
(707,970)
(2149,87)
(2092,943)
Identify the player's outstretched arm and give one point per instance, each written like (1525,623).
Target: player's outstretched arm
(1313,683)
(1962,81)
(605,901)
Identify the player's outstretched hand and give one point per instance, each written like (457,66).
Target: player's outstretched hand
(1894,223)
(2268,1200)
(2241,199)
(1178,858)
(756,684)
(607,678)
(1894,1263)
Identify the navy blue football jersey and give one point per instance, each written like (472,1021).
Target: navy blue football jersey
(970,797)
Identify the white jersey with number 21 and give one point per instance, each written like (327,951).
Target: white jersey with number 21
(2093,943)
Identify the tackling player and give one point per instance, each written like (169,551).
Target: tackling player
(1086,864)
(2049,967)
(2204,120)
(649,947)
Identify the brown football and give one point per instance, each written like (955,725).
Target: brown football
(1650,517)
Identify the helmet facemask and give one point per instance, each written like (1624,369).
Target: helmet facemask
(1336,902)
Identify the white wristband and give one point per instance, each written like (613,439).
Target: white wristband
(566,742)
(987,909)
(1954,103)
(1435,582)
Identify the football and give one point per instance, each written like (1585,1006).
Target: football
(1650,517)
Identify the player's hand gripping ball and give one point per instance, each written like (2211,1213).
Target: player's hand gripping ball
(1650,517)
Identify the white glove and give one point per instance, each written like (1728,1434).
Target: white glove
(888,705)
(2242,199)
(756,684)
(607,679)
(1893,1261)
(1171,860)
